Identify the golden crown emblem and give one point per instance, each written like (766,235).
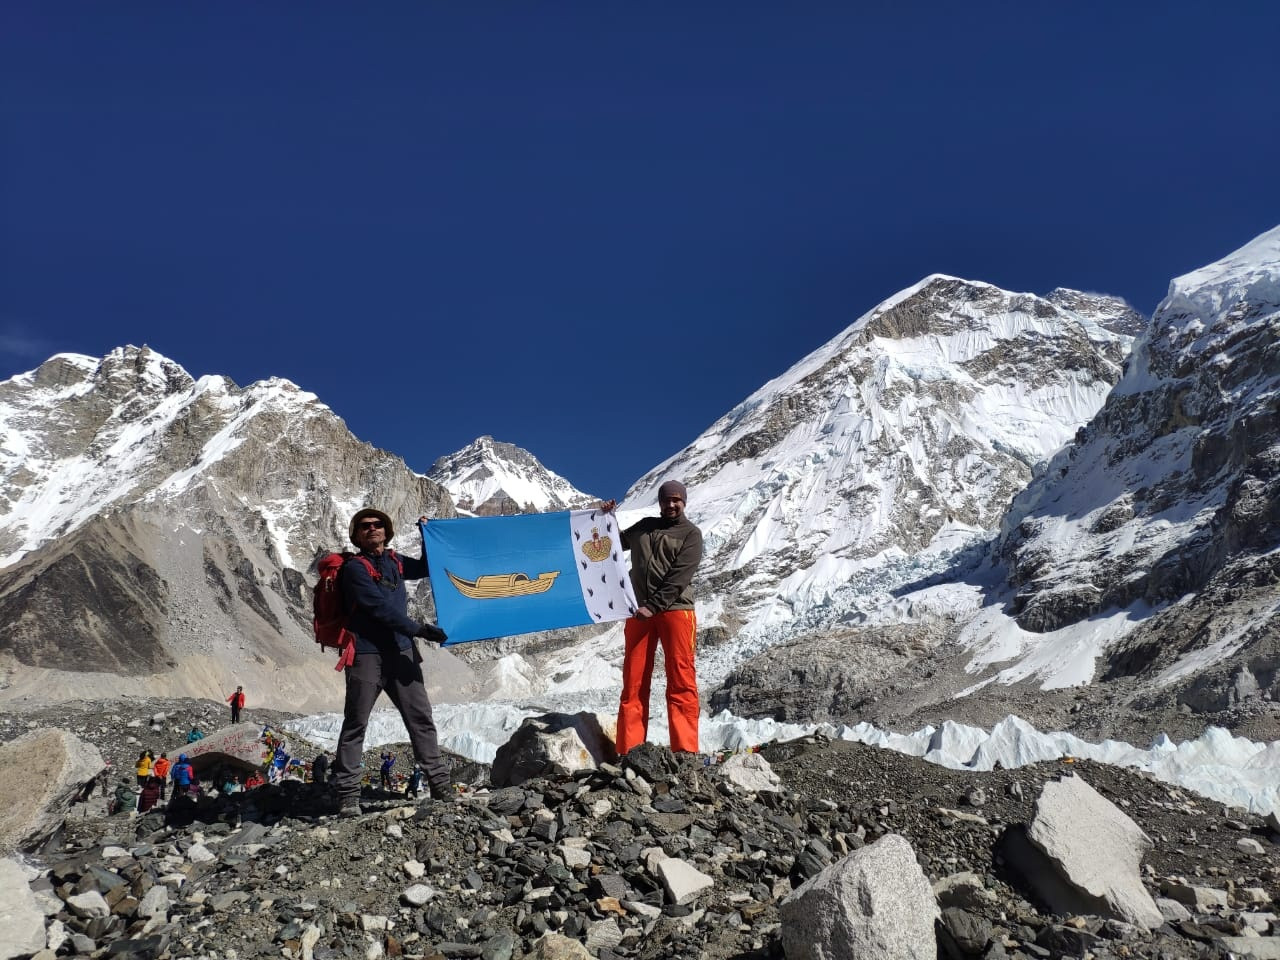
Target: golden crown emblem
(598,547)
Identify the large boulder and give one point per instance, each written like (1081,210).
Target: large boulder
(1084,855)
(239,745)
(876,902)
(554,744)
(41,773)
(21,920)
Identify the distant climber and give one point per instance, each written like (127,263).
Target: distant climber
(182,775)
(126,797)
(195,734)
(237,704)
(143,767)
(160,769)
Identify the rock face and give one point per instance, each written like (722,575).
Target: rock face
(40,774)
(157,532)
(1172,492)
(1090,855)
(554,744)
(894,438)
(875,902)
(1153,533)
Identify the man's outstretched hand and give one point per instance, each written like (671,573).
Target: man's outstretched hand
(431,633)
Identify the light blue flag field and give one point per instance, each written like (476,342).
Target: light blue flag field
(501,576)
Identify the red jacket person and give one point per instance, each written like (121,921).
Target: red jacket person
(665,553)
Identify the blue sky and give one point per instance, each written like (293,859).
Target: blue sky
(557,222)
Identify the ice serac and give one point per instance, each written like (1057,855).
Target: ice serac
(1167,503)
(157,531)
(490,478)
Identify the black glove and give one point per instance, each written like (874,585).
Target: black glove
(431,633)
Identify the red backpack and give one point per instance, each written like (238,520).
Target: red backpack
(329,613)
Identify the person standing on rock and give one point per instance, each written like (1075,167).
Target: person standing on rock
(143,768)
(665,553)
(387,659)
(161,769)
(237,704)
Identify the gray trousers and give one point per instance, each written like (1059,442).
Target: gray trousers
(400,676)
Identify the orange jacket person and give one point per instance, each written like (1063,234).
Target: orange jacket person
(665,553)
(161,769)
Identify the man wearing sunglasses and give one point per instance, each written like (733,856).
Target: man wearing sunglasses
(387,659)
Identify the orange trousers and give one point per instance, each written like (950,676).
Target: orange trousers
(677,631)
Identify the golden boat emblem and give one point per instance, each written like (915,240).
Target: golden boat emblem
(496,585)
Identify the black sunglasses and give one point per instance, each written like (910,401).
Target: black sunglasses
(370,525)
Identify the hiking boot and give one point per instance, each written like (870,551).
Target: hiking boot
(347,807)
(443,793)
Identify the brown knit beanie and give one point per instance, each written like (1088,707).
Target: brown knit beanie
(673,487)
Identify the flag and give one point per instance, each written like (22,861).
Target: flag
(500,576)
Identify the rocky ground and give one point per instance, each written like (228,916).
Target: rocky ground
(273,873)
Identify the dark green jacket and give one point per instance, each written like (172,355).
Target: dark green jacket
(664,556)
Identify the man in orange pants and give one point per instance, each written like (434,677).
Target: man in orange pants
(665,552)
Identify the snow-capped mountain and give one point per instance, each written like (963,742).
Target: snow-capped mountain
(887,450)
(156,530)
(1143,559)
(1163,515)
(968,493)
(490,478)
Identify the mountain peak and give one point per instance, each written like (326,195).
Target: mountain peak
(488,477)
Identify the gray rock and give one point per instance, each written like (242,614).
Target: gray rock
(1090,855)
(554,946)
(21,919)
(750,772)
(682,881)
(554,743)
(417,894)
(1172,909)
(606,934)
(965,890)
(1199,898)
(41,773)
(155,902)
(874,903)
(1250,846)
(969,932)
(88,905)
(1256,948)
